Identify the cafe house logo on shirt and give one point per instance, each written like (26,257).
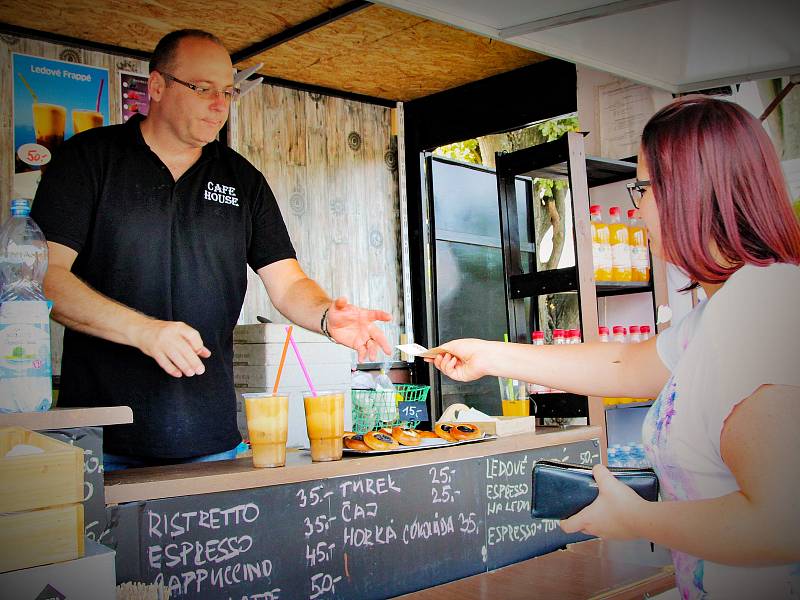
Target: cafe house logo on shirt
(224,194)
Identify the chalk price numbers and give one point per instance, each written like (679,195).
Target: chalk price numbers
(321,552)
(442,491)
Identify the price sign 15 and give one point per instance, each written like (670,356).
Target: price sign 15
(413,411)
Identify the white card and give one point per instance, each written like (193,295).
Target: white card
(417,350)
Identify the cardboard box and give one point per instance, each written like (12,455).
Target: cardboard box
(500,427)
(505,426)
(49,478)
(41,536)
(312,353)
(324,376)
(297,437)
(274,333)
(91,577)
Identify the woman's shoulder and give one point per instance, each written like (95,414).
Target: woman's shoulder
(765,290)
(758,305)
(764,279)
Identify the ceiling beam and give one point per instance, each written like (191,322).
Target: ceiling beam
(300,29)
(326,91)
(570,18)
(65,40)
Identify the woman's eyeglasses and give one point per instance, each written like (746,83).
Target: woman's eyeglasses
(636,190)
(206,93)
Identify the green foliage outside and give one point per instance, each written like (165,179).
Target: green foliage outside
(551,131)
(546,131)
(467,151)
(797,209)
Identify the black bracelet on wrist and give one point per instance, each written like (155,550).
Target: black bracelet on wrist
(323,325)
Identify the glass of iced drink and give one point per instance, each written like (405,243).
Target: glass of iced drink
(268,426)
(325,424)
(514,398)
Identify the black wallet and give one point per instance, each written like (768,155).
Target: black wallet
(561,490)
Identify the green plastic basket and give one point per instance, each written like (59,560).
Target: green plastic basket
(375,409)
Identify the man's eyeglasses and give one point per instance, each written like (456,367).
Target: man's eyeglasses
(636,190)
(206,93)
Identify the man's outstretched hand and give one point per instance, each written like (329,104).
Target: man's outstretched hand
(355,327)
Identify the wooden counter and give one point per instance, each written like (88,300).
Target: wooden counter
(583,570)
(68,418)
(205,478)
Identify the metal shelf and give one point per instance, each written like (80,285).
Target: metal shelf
(619,288)
(599,171)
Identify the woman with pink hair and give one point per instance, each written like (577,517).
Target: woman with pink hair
(723,434)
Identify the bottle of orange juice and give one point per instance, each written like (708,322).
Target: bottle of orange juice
(620,246)
(640,257)
(601,245)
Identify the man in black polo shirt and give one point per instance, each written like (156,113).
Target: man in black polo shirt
(150,227)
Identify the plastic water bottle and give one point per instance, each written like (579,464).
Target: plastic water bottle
(625,456)
(23,256)
(25,367)
(613,461)
(640,457)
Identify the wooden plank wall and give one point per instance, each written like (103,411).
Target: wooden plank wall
(332,166)
(339,201)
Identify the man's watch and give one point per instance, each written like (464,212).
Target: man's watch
(323,325)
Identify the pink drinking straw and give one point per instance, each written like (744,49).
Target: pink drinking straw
(99,95)
(302,364)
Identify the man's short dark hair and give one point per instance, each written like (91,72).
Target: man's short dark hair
(163,56)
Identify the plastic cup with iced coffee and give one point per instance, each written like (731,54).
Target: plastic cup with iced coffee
(325,424)
(268,426)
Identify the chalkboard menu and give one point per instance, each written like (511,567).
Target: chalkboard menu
(512,534)
(369,536)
